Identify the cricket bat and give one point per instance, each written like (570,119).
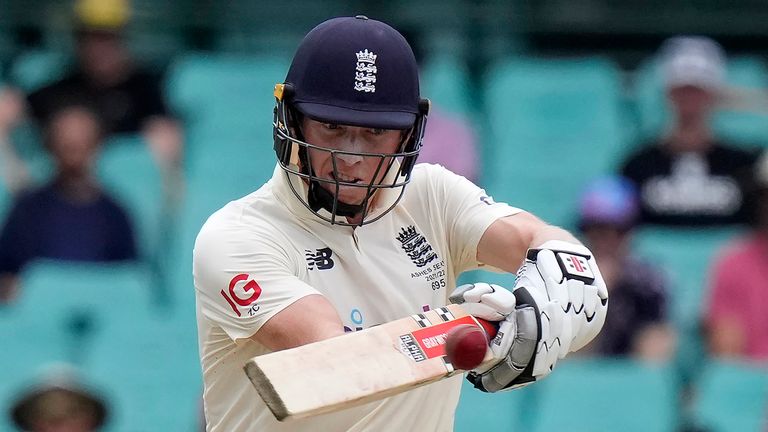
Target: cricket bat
(359,367)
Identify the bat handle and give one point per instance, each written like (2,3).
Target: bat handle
(489,327)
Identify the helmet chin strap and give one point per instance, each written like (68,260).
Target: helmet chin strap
(319,197)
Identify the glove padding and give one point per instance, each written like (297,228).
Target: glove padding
(563,279)
(559,305)
(516,337)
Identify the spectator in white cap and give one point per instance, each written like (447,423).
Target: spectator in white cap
(689,176)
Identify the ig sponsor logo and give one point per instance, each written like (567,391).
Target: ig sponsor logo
(243,291)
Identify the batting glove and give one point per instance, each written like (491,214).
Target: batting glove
(516,337)
(560,305)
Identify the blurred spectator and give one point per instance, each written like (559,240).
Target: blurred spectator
(450,141)
(636,324)
(737,315)
(689,176)
(70,218)
(105,78)
(59,403)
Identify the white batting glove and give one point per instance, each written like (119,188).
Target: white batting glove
(516,337)
(559,305)
(563,280)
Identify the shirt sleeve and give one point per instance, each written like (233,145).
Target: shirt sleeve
(243,277)
(467,211)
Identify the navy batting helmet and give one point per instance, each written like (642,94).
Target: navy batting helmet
(350,71)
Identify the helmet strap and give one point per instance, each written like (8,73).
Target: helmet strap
(319,197)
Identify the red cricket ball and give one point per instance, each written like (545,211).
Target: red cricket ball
(465,346)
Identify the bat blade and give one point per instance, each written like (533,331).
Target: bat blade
(358,367)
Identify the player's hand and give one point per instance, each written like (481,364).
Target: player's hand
(516,337)
(560,305)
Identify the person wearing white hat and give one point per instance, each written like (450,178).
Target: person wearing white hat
(689,176)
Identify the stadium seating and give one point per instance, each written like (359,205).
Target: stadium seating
(479,411)
(226,103)
(62,308)
(733,397)
(445,81)
(606,396)
(5,200)
(149,372)
(553,125)
(36,68)
(127,169)
(94,289)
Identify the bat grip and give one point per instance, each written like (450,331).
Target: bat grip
(489,327)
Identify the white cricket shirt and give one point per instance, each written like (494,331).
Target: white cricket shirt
(263,252)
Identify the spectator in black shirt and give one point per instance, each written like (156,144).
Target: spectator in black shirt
(689,176)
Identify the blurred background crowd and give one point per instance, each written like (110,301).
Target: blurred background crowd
(641,125)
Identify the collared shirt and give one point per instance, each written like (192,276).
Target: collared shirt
(261,253)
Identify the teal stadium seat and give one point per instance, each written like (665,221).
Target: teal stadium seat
(742,127)
(479,411)
(127,169)
(226,103)
(149,371)
(58,289)
(5,200)
(445,81)
(606,396)
(733,397)
(34,69)
(553,125)
(61,307)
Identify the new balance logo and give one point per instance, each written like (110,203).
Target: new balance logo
(416,246)
(320,259)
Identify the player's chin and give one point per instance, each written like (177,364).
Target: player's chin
(352,195)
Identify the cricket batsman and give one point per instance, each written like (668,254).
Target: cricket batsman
(351,232)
